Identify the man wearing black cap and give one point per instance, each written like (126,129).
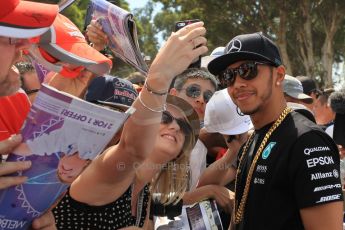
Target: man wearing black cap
(309,88)
(288,170)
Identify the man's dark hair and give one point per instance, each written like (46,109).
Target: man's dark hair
(337,101)
(25,67)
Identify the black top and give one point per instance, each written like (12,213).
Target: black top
(71,214)
(298,168)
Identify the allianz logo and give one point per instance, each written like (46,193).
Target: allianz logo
(308,151)
(319,175)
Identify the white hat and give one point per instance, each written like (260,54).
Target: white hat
(221,116)
(215,53)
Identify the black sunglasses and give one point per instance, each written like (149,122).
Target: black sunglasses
(246,71)
(194,91)
(167,118)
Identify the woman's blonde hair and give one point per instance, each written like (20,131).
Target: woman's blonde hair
(172,181)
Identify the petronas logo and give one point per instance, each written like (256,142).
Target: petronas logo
(267,150)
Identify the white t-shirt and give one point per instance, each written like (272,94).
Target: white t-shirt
(329,130)
(197,163)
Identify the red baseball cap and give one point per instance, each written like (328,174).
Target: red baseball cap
(64,42)
(24,19)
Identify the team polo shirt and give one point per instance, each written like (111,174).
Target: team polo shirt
(298,168)
(13,111)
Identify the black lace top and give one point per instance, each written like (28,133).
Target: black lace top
(71,214)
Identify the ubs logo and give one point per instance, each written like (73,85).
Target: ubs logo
(235,45)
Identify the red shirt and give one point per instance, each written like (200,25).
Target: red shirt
(13,111)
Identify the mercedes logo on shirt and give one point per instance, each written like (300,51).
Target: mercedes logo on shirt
(235,45)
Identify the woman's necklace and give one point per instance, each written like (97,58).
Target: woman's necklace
(239,209)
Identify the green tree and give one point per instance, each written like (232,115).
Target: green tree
(146,30)
(310,33)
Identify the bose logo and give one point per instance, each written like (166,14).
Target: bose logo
(320,160)
(308,151)
(328,198)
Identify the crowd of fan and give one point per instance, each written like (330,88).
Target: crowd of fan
(211,141)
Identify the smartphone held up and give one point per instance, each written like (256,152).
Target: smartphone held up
(179,25)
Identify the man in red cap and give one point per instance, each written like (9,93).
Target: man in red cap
(19,20)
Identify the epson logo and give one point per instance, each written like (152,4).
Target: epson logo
(320,160)
(308,151)
(329,198)
(330,186)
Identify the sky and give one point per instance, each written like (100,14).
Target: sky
(141,3)
(136,3)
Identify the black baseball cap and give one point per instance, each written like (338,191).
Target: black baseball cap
(112,91)
(308,84)
(255,47)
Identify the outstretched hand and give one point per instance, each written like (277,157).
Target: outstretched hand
(181,48)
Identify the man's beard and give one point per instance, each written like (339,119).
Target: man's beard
(11,83)
(264,98)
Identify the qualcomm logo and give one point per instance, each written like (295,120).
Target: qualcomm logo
(308,151)
(267,150)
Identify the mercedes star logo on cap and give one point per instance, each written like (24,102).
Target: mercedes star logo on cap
(235,46)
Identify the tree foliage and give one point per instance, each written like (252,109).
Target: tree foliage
(309,33)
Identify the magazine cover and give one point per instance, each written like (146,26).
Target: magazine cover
(200,216)
(121,30)
(61,135)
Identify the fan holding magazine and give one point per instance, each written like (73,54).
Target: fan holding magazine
(120,32)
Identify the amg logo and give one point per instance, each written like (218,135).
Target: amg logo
(326,160)
(330,186)
(317,176)
(329,198)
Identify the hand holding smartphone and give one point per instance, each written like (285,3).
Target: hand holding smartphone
(179,25)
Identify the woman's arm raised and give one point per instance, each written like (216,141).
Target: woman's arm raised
(109,175)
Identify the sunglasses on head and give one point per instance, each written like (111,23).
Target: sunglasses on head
(194,91)
(167,118)
(246,71)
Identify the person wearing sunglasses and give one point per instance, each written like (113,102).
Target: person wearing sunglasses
(195,85)
(281,180)
(162,178)
(151,157)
